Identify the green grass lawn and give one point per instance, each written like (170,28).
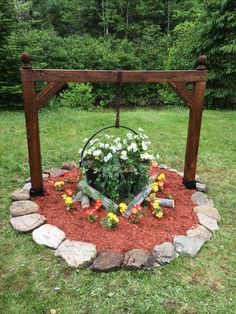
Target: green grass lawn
(34,281)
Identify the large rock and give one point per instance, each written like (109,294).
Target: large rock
(201,187)
(163,253)
(27,186)
(208,211)
(20,195)
(188,245)
(53,173)
(20,208)
(48,235)
(200,232)
(28,222)
(201,199)
(207,222)
(107,261)
(136,259)
(77,254)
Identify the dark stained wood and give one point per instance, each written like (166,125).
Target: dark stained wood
(56,78)
(32,128)
(47,92)
(194,127)
(106,76)
(183,92)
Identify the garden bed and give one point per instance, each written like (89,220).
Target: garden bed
(126,236)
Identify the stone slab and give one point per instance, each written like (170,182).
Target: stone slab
(200,199)
(27,223)
(107,260)
(209,211)
(76,253)
(209,223)
(136,259)
(188,245)
(200,232)
(20,195)
(21,208)
(48,235)
(163,253)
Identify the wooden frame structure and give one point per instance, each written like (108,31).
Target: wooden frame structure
(177,80)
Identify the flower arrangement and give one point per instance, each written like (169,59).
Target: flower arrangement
(117,167)
(137,212)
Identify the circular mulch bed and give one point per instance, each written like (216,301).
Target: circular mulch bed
(147,233)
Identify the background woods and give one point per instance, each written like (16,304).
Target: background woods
(127,34)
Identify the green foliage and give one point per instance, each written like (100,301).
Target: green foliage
(78,96)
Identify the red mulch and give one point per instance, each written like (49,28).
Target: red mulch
(149,232)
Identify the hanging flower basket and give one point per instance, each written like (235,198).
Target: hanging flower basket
(117,167)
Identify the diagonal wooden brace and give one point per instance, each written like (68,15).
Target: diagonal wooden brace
(47,92)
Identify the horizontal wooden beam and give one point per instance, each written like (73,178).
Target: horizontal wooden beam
(107,76)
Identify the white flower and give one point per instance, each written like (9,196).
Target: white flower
(107,157)
(97,152)
(85,140)
(146,156)
(144,145)
(80,151)
(123,155)
(140,129)
(119,146)
(101,145)
(106,145)
(117,140)
(107,136)
(133,146)
(124,141)
(130,136)
(113,149)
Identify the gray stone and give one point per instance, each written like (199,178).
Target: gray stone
(201,199)
(107,261)
(207,222)
(201,187)
(200,232)
(20,208)
(77,254)
(20,195)
(27,223)
(163,253)
(27,186)
(78,196)
(48,235)
(68,165)
(208,211)
(188,245)
(136,259)
(53,173)
(162,166)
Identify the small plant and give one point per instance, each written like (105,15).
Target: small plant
(156,209)
(137,212)
(110,221)
(68,201)
(91,214)
(59,186)
(122,208)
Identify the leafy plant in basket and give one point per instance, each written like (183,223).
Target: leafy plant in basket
(118,167)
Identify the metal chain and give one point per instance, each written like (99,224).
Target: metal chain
(118,97)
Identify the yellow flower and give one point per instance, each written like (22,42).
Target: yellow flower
(68,200)
(58,183)
(153,194)
(154,186)
(64,196)
(122,207)
(155,204)
(161,177)
(113,217)
(159,214)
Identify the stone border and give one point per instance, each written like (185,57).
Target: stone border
(24,217)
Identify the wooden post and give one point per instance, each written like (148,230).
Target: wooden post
(194,127)
(32,127)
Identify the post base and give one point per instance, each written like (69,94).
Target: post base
(36,192)
(189,184)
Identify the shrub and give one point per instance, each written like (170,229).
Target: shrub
(78,96)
